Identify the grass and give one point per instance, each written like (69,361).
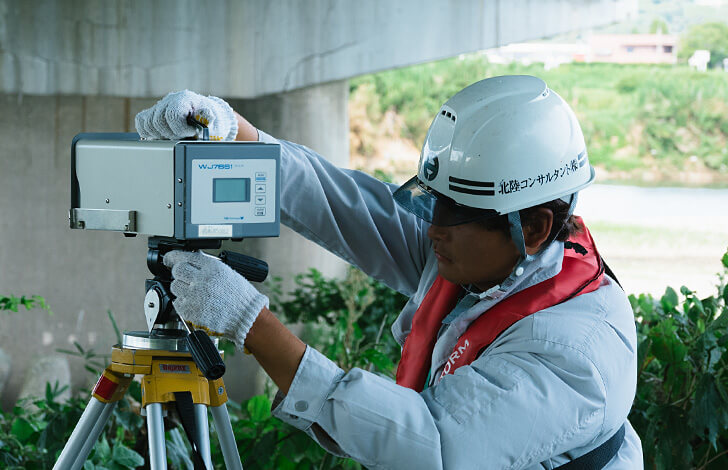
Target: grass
(646,259)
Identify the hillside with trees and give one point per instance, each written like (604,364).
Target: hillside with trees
(648,124)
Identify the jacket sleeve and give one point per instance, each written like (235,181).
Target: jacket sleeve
(352,215)
(508,410)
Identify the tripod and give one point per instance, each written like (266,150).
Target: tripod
(168,373)
(179,368)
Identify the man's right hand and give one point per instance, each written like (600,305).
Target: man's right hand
(168,118)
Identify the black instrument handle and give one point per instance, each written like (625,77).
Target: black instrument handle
(252,269)
(205,354)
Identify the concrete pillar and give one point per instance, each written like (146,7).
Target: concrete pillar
(81,274)
(318,118)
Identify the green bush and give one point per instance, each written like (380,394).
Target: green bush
(680,409)
(348,320)
(33,437)
(353,313)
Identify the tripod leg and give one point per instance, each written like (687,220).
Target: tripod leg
(84,435)
(203,433)
(94,435)
(155,430)
(230,453)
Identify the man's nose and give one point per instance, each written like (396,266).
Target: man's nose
(437,232)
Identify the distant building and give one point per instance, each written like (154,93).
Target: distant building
(551,54)
(633,48)
(615,48)
(711,3)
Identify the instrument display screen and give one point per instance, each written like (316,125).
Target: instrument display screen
(231,190)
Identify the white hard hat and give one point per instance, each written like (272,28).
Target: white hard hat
(498,146)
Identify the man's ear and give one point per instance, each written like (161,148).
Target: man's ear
(538,229)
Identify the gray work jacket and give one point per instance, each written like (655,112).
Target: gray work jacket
(550,388)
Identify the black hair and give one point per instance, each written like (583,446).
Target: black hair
(564,225)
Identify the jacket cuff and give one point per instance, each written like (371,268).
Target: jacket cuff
(314,381)
(266,138)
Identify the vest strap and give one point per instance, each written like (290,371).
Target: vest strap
(582,271)
(598,458)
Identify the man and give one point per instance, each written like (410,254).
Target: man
(518,351)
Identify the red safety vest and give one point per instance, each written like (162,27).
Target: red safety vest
(582,270)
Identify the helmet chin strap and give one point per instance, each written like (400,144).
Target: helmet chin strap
(571,199)
(514,219)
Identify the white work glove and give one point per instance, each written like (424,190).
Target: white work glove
(212,296)
(168,118)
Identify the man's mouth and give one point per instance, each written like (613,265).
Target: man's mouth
(441,257)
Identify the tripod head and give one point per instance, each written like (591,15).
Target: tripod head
(163,320)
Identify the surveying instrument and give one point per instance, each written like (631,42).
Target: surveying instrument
(185,195)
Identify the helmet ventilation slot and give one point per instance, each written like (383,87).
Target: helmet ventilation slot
(448,115)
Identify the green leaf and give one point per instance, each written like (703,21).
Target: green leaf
(721,322)
(721,390)
(42,304)
(259,408)
(694,313)
(666,345)
(126,457)
(178,450)
(645,304)
(349,464)
(284,463)
(265,446)
(116,327)
(135,390)
(725,259)
(22,429)
(12,305)
(669,300)
(227,347)
(379,359)
(709,410)
(643,351)
(103,450)
(127,418)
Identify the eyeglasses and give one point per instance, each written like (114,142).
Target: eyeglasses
(436,208)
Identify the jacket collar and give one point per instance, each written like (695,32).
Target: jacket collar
(544,265)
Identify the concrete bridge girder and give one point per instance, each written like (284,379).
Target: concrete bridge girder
(70,66)
(246,49)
